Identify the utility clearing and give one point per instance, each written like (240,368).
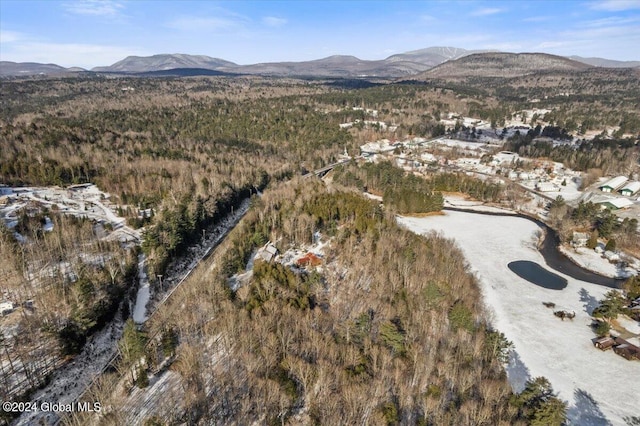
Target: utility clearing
(600,387)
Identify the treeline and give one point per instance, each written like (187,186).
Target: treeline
(389,331)
(611,156)
(600,223)
(182,226)
(405,193)
(408,193)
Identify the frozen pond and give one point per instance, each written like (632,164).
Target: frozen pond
(600,387)
(537,275)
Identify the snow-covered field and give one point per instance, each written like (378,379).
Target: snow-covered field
(461,144)
(593,261)
(600,387)
(461,202)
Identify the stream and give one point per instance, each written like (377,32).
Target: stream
(553,257)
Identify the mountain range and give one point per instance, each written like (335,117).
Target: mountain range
(400,65)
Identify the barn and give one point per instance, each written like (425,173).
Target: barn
(630,188)
(613,184)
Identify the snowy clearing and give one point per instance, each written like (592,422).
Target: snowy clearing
(463,203)
(601,387)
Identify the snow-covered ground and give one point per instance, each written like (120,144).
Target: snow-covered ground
(80,201)
(461,144)
(600,387)
(70,381)
(144,292)
(461,202)
(593,261)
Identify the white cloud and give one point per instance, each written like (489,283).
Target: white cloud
(10,36)
(273,21)
(615,5)
(107,8)
(487,11)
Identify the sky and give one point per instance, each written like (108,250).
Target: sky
(90,33)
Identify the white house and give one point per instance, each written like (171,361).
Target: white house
(6,308)
(616,203)
(546,187)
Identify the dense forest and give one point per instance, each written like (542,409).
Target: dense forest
(382,333)
(408,193)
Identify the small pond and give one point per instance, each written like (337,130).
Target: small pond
(537,275)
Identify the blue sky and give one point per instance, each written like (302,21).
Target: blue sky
(90,33)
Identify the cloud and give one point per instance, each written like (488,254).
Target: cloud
(10,36)
(272,21)
(615,5)
(106,8)
(487,11)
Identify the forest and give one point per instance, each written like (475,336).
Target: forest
(389,330)
(402,344)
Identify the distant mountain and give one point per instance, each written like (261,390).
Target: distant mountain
(606,63)
(448,62)
(8,68)
(433,56)
(139,64)
(333,66)
(497,64)
(399,65)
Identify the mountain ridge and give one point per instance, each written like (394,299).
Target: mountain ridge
(411,63)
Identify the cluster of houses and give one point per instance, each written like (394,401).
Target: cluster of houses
(620,346)
(622,185)
(269,253)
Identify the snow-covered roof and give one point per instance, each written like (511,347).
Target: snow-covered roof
(632,187)
(618,203)
(614,183)
(6,307)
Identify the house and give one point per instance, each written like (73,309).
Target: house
(546,187)
(603,343)
(6,308)
(613,184)
(616,204)
(630,188)
(309,259)
(611,256)
(626,349)
(267,253)
(580,239)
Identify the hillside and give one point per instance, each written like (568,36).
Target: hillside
(432,56)
(135,64)
(447,60)
(8,68)
(497,64)
(381,333)
(605,63)
(334,66)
